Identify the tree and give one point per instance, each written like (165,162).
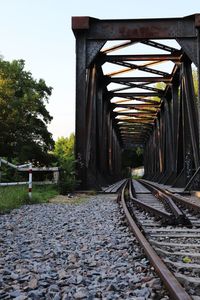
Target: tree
(64,152)
(23,115)
(64,148)
(132,158)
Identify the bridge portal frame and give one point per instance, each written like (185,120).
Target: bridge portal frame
(172,148)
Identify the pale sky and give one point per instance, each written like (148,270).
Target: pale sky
(39,31)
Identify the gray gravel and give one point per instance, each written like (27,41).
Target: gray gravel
(64,251)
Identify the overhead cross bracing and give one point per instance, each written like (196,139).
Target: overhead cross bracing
(134,87)
(137,92)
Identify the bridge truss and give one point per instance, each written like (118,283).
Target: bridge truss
(149,100)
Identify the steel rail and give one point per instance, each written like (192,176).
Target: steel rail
(156,212)
(176,291)
(177,212)
(183,200)
(147,207)
(176,197)
(115,187)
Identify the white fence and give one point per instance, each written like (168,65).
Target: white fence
(28,168)
(19,168)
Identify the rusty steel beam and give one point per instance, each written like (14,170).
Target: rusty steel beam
(166,28)
(143,57)
(136,114)
(144,133)
(139,133)
(134,130)
(142,125)
(143,86)
(139,107)
(134,137)
(166,79)
(140,121)
(117,47)
(137,111)
(191,110)
(131,67)
(138,86)
(128,98)
(159,46)
(138,94)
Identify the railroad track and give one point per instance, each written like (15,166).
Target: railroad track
(167,226)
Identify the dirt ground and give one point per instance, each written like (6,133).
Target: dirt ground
(70,199)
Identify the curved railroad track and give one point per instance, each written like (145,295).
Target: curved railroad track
(167,226)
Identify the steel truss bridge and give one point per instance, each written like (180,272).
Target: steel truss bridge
(135,87)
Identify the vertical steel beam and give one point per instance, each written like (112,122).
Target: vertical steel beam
(90,111)
(159,146)
(198,69)
(175,121)
(191,111)
(80,131)
(169,147)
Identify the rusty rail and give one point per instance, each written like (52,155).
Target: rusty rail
(156,212)
(176,291)
(167,198)
(115,187)
(176,197)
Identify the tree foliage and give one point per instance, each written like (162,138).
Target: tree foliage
(23,114)
(64,152)
(64,148)
(132,158)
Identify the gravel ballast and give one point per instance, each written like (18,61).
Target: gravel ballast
(66,251)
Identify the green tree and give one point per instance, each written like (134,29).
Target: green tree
(64,152)
(64,148)
(23,114)
(132,158)
(160,86)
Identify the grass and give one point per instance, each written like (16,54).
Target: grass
(136,177)
(14,196)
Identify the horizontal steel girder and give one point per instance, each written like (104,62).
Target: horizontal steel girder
(168,28)
(138,94)
(166,79)
(143,57)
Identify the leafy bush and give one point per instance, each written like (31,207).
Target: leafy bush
(67,181)
(64,152)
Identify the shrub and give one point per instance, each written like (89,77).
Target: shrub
(67,181)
